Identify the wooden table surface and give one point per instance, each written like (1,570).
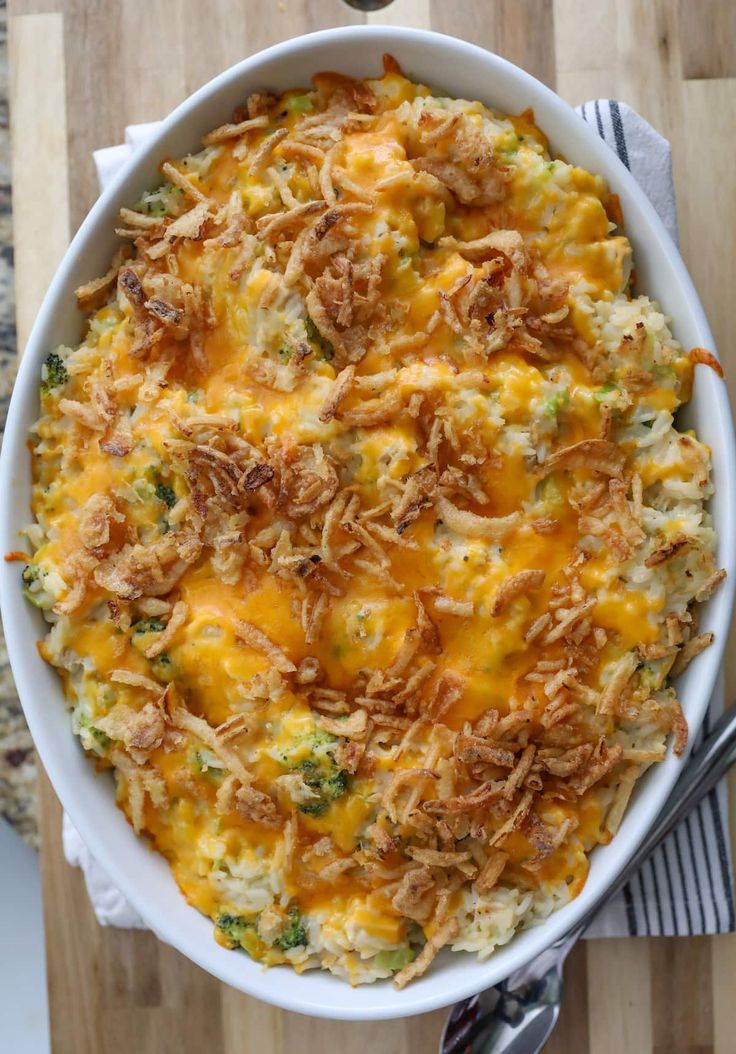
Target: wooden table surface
(83,69)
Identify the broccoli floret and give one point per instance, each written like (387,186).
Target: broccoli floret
(31,573)
(163,668)
(395,958)
(205,769)
(300,103)
(556,402)
(607,389)
(549,492)
(319,770)
(650,677)
(233,928)
(53,373)
(166,495)
(149,625)
(32,578)
(102,738)
(330,785)
(85,725)
(319,738)
(166,200)
(294,934)
(315,337)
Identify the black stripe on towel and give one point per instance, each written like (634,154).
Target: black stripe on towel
(699,812)
(655,886)
(720,843)
(722,857)
(618,131)
(643,902)
(630,913)
(668,877)
(689,842)
(598,120)
(675,839)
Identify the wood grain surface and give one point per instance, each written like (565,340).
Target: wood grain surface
(83,69)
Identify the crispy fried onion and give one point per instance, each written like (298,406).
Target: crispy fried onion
(520,584)
(140,731)
(338,390)
(247,801)
(353,727)
(690,650)
(416,895)
(461,157)
(165,639)
(601,455)
(135,781)
(257,639)
(491,871)
(419,492)
(473,526)
(95,520)
(307,481)
(445,933)
(148,570)
(228,478)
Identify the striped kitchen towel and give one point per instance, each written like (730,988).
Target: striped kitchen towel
(685,887)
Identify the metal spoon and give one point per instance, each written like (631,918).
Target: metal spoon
(517,1015)
(368,5)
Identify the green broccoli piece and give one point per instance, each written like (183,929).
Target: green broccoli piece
(165,200)
(102,738)
(294,934)
(300,103)
(549,492)
(205,769)
(330,785)
(53,373)
(315,337)
(31,573)
(162,668)
(85,724)
(166,495)
(601,394)
(233,928)
(320,739)
(556,402)
(148,625)
(395,958)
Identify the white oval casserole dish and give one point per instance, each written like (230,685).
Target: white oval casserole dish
(462,70)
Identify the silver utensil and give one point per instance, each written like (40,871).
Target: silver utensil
(517,1015)
(368,5)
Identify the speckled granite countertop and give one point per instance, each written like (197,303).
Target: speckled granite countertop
(17,760)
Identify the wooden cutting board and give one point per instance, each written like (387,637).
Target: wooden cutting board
(83,69)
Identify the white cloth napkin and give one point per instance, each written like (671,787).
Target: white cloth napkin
(685,888)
